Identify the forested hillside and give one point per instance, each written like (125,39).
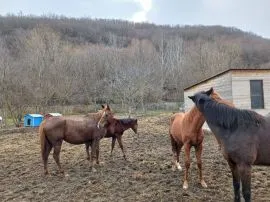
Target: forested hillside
(57,60)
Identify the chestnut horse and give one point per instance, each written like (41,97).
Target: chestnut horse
(56,129)
(97,115)
(244,136)
(186,130)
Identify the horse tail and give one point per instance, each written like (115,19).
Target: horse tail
(43,139)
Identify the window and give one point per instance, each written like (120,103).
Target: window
(256,94)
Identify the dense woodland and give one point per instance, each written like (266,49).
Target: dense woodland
(54,60)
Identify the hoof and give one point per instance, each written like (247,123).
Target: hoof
(185,186)
(178,166)
(204,185)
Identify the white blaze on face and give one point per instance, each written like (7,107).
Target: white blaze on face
(103,114)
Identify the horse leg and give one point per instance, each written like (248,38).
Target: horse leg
(187,147)
(179,147)
(45,155)
(113,143)
(94,144)
(236,180)
(245,175)
(56,154)
(97,151)
(87,145)
(199,163)
(119,140)
(176,152)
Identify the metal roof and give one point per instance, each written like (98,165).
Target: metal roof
(34,115)
(219,74)
(55,114)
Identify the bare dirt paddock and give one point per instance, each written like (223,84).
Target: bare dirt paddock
(146,176)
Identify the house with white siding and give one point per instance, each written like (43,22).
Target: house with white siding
(246,88)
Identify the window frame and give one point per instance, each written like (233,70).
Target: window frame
(261,94)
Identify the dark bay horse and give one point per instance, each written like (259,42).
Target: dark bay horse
(116,129)
(55,130)
(186,130)
(244,136)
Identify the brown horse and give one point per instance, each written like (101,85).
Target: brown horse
(117,128)
(244,136)
(97,115)
(56,129)
(186,130)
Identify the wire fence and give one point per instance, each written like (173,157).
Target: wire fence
(119,109)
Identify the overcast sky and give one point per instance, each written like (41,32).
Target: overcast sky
(248,15)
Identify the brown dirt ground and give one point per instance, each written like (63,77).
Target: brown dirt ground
(146,176)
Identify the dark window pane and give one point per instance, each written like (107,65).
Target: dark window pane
(256,94)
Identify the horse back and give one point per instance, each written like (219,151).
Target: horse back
(54,128)
(119,126)
(80,131)
(93,116)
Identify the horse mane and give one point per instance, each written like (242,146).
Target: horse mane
(216,96)
(230,117)
(219,99)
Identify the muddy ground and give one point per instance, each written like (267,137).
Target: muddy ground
(146,176)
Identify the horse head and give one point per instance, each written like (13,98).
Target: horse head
(200,98)
(215,96)
(106,116)
(219,99)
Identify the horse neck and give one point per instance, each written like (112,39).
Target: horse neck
(97,116)
(195,118)
(219,99)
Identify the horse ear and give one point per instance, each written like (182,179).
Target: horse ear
(192,98)
(108,107)
(102,106)
(209,92)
